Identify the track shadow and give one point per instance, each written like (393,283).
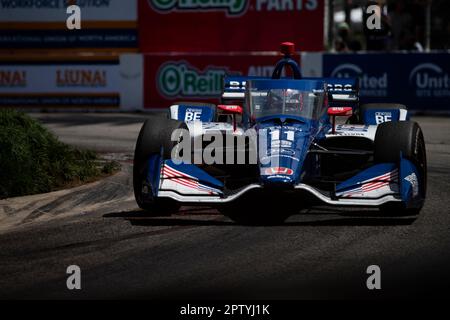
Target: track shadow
(166,222)
(142,218)
(354,222)
(145,218)
(142,213)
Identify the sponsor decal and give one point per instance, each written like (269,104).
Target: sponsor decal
(352,128)
(381,117)
(231,7)
(51,4)
(430,80)
(279,170)
(370,85)
(13,78)
(340,87)
(412,179)
(192,114)
(180,79)
(286,5)
(80,78)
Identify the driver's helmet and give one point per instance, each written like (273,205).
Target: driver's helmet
(291,98)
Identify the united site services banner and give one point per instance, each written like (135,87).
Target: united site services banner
(198,77)
(419,80)
(41,24)
(229,25)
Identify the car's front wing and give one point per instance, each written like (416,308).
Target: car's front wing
(373,187)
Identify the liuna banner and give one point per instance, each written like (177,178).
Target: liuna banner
(229,25)
(41,24)
(77,82)
(421,81)
(198,77)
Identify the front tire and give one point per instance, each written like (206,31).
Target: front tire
(405,137)
(154,138)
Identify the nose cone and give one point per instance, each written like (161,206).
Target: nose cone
(283,149)
(277,176)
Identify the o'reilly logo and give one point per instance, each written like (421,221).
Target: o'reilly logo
(370,85)
(179,79)
(232,7)
(430,80)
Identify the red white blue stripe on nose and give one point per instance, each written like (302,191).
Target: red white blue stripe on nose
(374,187)
(174,179)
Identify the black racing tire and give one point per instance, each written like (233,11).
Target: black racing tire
(370,106)
(155,133)
(406,137)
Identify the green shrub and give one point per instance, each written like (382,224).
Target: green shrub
(32,160)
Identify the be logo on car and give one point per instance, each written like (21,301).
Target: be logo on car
(381,117)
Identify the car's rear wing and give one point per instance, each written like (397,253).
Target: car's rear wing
(234,87)
(342,91)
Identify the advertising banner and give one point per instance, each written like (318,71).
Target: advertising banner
(198,77)
(229,25)
(84,83)
(41,24)
(421,81)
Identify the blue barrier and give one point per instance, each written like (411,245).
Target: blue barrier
(419,80)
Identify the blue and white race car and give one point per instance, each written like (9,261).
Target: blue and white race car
(311,143)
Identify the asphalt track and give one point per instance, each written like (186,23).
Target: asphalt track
(126,253)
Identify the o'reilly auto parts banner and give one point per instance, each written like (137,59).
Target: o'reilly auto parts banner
(41,24)
(195,77)
(229,25)
(421,81)
(108,83)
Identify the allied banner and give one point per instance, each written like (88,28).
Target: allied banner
(419,80)
(229,25)
(41,24)
(198,77)
(72,83)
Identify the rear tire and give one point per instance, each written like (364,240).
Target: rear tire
(406,137)
(155,134)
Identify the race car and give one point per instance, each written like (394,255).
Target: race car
(303,142)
